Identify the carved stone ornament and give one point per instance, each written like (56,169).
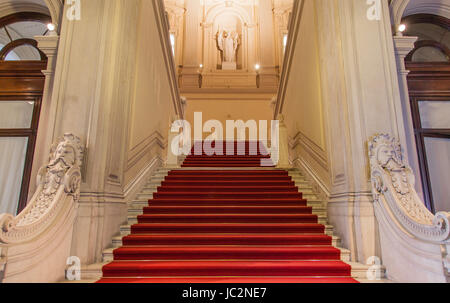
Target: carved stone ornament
(58,180)
(393,187)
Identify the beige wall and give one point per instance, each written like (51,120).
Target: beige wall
(229,109)
(152,105)
(304,110)
(115,88)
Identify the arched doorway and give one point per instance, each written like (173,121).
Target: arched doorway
(21,89)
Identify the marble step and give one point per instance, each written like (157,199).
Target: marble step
(316,209)
(157,182)
(126,229)
(145,196)
(93,272)
(306,190)
(117,241)
(143,202)
(132,219)
(108,255)
(359,272)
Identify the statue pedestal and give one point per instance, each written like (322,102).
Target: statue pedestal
(229,66)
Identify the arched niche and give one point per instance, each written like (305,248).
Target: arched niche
(230,23)
(233,17)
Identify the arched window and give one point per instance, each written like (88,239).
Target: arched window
(21,89)
(429,91)
(433,34)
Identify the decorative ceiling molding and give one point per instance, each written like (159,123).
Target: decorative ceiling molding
(398,8)
(9,8)
(56,8)
(425,7)
(222,7)
(52,8)
(404,8)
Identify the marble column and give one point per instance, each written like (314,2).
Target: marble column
(403,46)
(49,46)
(268,73)
(192,45)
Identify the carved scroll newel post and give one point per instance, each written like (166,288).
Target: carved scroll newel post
(403,217)
(60,178)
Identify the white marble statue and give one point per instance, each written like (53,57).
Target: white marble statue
(228,43)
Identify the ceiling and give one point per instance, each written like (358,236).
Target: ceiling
(435,7)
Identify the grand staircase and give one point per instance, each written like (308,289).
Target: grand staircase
(226,219)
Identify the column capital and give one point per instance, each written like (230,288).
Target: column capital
(48,44)
(404,45)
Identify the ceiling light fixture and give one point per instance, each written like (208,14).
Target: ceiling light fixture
(51,27)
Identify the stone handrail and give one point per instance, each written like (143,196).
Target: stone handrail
(393,181)
(47,215)
(415,244)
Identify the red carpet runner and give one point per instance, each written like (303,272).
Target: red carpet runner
(227,226)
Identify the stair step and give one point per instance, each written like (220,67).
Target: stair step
(225,157)
(226,239)
(144,196)
(215,172)
(225,268)
(224,194)
(189,252)
(303,183)
(223,165)
(231,280)
(227,228)
(321,219)
(323,251)
(227,189)
(228,183)
(233,178)
(227,218)
(234,161)
(360,270)
(93,272)
(108,254)
(227,202)
(309,196)
(227,209)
